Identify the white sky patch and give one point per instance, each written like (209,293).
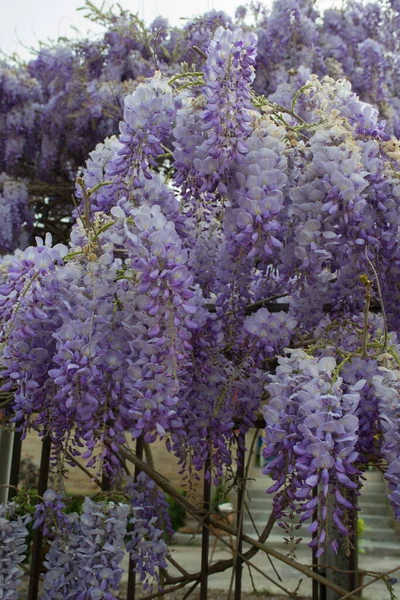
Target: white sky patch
(24,23)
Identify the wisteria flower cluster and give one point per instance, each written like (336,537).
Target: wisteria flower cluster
(86,562)
(311,434)
(86,549)
(223,258)
(13,546)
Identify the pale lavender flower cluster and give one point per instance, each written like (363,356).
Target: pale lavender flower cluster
(13,547)
(311,435)
(268,333)
(29,318)
(386,386)
(49,514)
(85,357)
(369,409)
(228,72)
(167,311)
(95,173)
(15,215)
(147,524)
(257,193)
(86,563)
(148,116)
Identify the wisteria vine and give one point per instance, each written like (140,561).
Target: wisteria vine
(229,252)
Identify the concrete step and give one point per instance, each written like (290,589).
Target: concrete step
(259,500)
(376,508)
(372,548)
(380,520)
(368,547)
(366,491)
(383,534)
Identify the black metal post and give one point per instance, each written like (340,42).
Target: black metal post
(353,557)
(239,522)
(315,584)
(15,464)
(205,537)
(38,535)
(131,592)
(105,483)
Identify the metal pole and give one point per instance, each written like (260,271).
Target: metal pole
(353,557)
(342,562)
(131,592)
(15,465)
(205,537)
(38,535)
(315,584)
(240,502)
(6,451)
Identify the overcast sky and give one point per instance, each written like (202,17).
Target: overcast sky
(24,22)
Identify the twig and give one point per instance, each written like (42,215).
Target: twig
(378,285)
(367,283)
(7,402)
(84,469)
(175,564)
(361,587)
(242,485)
(251,518)
(162,593)
(256,530)
(200,52)
(190,590)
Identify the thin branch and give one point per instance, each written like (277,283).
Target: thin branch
(190,590)
(256,530)
(162,593)
(177,566)
(251,519)
(7,402)
(367,283)
(200,52)
(361,587)
(250,308)
(84,469)
(378,285)
(242,485)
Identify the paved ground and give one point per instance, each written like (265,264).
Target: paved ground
(189,558)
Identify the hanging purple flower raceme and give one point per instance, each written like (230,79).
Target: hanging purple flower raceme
(368,411)
(268,333)
(257,192)
(28,319)
(220,393)
(13,547)
(149,520)
(159,333)
(89,356)
(84,560)
(228,73)
(61,579)
(311,436)
(95,175)
(148,116)
(16,216)
(252,237)
(386,386)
